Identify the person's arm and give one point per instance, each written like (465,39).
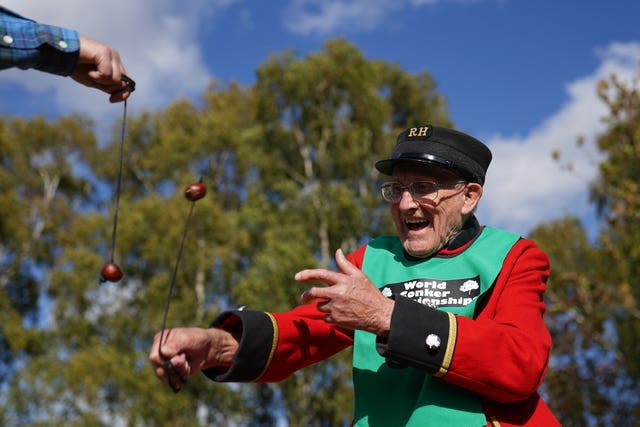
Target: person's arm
(27,44)
(275,345)
(249,346)
(502,354)
(260,346)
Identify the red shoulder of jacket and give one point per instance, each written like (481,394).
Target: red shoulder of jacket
(357,256)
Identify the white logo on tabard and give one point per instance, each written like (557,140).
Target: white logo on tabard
(469,285)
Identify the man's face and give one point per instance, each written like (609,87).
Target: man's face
(426,227)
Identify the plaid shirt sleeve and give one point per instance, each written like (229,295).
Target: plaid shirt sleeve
(27,44)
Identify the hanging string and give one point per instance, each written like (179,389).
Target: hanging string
(193,192)
(110,271)
(171,371)
(119,182)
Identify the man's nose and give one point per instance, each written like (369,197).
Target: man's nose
(406,200)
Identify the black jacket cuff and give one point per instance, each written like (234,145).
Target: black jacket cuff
(256,329)
(420,336)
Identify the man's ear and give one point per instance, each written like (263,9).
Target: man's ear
(472,195)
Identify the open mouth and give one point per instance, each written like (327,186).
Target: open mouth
(416,224)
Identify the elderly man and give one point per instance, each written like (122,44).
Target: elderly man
(446,318)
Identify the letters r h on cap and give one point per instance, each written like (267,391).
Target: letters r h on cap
(421,131)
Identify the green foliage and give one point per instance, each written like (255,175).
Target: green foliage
(38,192)
(593,297)
(289,168)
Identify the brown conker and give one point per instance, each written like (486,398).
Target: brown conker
(111,272)
(195,191)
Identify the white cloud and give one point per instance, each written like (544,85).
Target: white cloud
(329,16)
(326,16)
(525,186)
(156,39)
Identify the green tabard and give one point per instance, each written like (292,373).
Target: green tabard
(388,396)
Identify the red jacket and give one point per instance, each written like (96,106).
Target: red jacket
(501,354)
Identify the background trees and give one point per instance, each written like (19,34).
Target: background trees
(288,165)
(593,292)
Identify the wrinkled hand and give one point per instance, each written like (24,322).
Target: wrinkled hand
(190,350)
(99,66)
(351,300)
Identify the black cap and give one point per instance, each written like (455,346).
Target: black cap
(442,147)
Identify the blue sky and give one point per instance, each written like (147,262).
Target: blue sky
(520,75)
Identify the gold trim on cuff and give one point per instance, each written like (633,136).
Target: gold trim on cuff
(274,343)
(451,343)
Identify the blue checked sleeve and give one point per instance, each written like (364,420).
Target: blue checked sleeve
(27,44)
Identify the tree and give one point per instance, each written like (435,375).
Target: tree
(593,297)
(40,190)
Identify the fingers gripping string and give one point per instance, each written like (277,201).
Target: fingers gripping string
(174,377)
(193,193)
(129,81)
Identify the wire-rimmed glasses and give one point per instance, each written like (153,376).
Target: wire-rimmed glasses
(421,191)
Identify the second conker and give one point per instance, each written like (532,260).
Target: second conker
(195,191)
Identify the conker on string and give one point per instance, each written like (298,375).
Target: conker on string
(195,191)
(110,272)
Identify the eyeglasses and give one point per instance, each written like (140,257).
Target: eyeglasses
(421,191)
